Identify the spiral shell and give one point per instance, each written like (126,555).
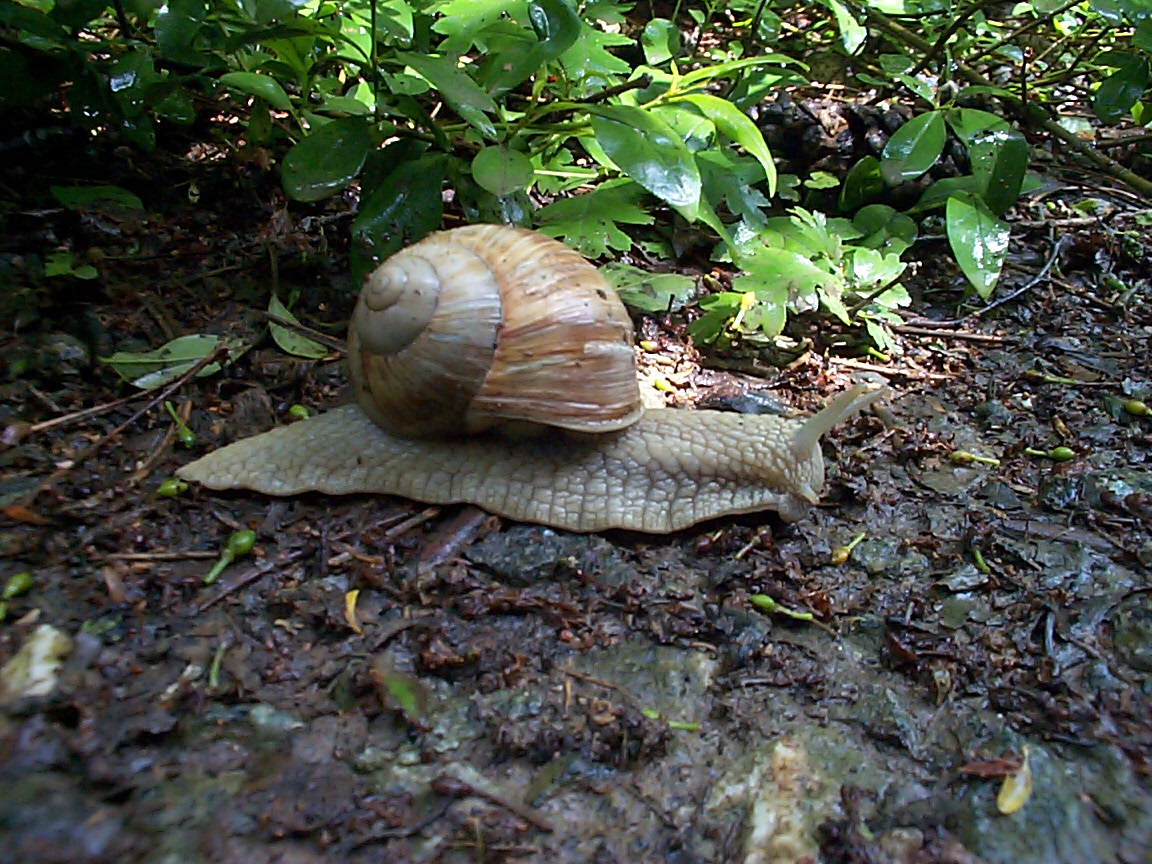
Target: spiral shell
(482,325)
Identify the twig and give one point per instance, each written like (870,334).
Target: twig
(218,353)
(84,414)
(1027,286)
(961,335)
(615,90)
(457,787)
(323,338)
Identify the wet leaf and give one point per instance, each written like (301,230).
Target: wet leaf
(863,183)
(649,151)
(660,41)
(999,159)
(462,94)
(502,171)
(255,84)
(1121,90)
(150,369)
(397,208)
(738,126)
(914,148)
(289,340)
(326,161)
(978,239)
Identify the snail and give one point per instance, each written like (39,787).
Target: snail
(494,366)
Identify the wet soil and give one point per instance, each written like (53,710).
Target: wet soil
(384,682)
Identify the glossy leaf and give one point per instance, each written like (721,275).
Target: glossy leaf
(726,70)
(255,84)
(884,228)
(555,24)
(289,340)
(1120,91)
(660,41)
(502,171)
(398,209)
(650,152)
(464,95)
(914,148)
(863,183)
(970,123)
(326,161)
(999,160)
(938,193)
(852,33)
(978,239)
(738,126)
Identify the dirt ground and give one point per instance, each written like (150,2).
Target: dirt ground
(503,692)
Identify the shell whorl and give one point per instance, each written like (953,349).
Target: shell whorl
(486,324)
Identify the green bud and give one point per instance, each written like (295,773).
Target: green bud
(18,584)
(1061,454)
(1137,408)
(297,412)
(242,542)
(172,487)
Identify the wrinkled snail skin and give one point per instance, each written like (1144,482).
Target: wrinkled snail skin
(494,366)
(668,471)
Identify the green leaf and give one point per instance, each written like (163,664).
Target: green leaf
(649,292)
(694,129)
(725,70)
(999,160)
(914,148)
(589,64)
(150,369)
(178,22)
(255,84)
(462,21)
(660,41)
(852,33)
(327,161)
(727,176)
(863,183)
(650,152)
(738,126)
(719,310)
(513,59)
(289,340)
(939,192)
(884,228)
(785,271)
(590,222)
(502,171)
(978,239)
(398,208)
(77,197)
(970,123)
(918,86)
(1120,91)
(462,94)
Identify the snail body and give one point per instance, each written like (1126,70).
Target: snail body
(566,361)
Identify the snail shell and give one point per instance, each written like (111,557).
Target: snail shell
(487,326)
